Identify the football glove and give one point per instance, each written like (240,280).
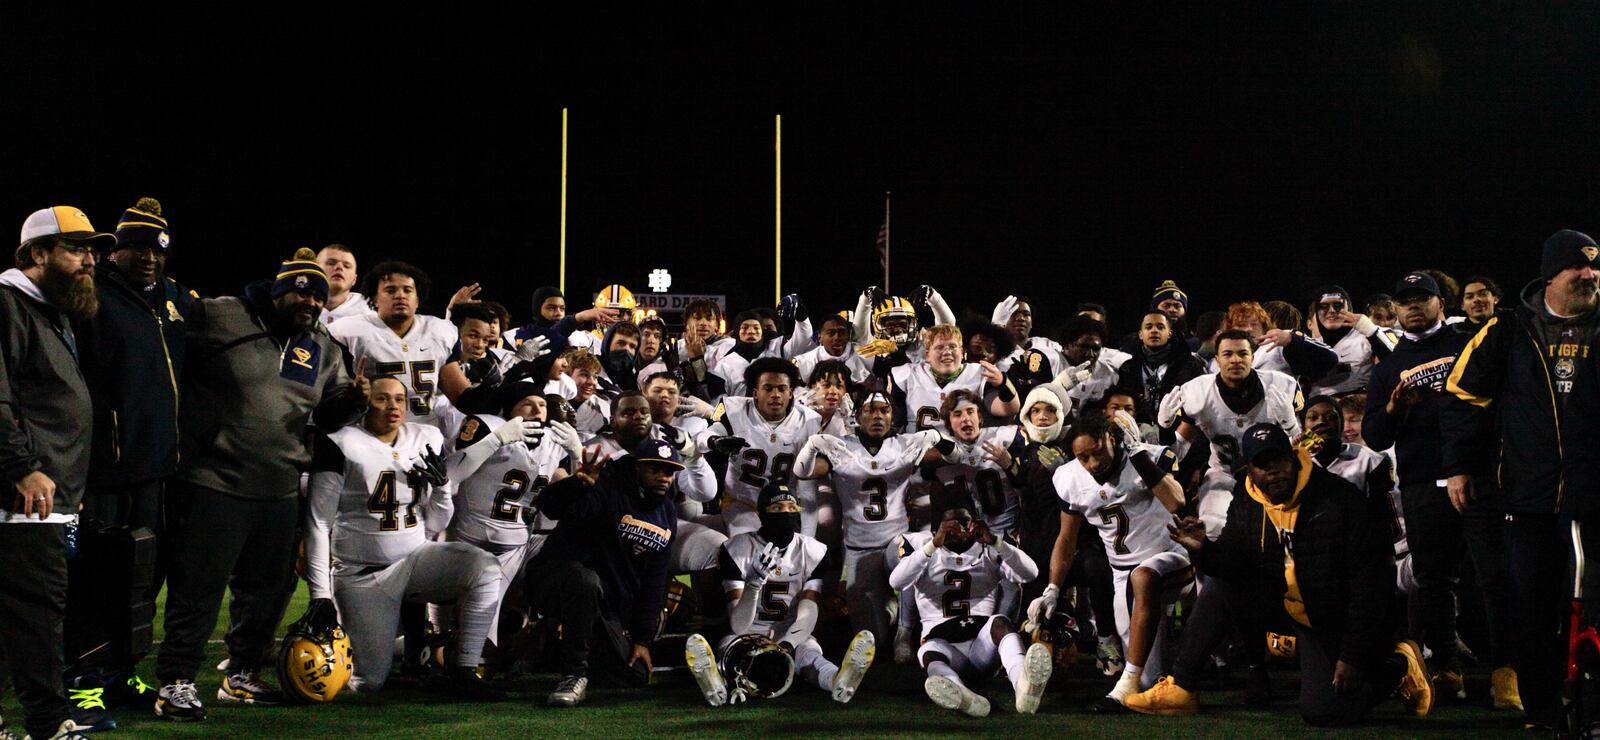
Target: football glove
(533,433)
(761,566)
(484,370)
(1044,607)
(1131,437)
(792,309)
(1171,407)
(729,446)
(429,469)
(1003,310)
(695,406)
(510,431)
(566,436)
(533,348)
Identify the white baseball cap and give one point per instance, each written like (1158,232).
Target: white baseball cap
(67,222)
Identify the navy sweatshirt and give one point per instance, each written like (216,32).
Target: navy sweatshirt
(1412,430)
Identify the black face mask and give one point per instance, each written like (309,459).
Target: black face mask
(620,360)
(748,350)
(779,527)
(958,547)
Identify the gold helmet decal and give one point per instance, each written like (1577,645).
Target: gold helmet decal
(894,319)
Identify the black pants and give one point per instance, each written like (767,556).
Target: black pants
(1219,610)
(570,594)
(1538,555)
(1488,604)
(1433,532)
(245,546)
(33,602)
(110,596)
(1323,706)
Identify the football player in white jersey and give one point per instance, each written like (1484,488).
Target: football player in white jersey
(378,492)
(1358,342)
(1015,313)
(590,407)
(982,462)
(886,326)
(827,392)
(955,574)
(471,379)
(340,264)
(774,578)
(919,389)
(870,470)
(398,341)
(1285,349)
(760,435)
(1125,489)
(1221,405)
(833,343)
(1370,471)
(1090,367)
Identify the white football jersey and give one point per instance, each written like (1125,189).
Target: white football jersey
(497,505)
(921,396)
(1358,464)
(801,567)
(592,415)
(1102,375)
(872,486)
(860,368)
(1131,520)
(771,450)
(414,358)
(1354,369)
(380,517)
(956,584)
(354,304)
(991,490)
(1204,408)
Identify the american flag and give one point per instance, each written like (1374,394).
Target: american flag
(883,247)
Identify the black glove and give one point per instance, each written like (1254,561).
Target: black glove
(429,469)
(729,446)
(792,308)
(874,295)
(922,295)
(321,615)
(483,371)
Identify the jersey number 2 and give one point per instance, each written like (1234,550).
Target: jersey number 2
(754,471)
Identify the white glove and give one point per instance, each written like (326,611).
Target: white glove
(694,406)
(532,433)
(1003,310)
(761,567)
(1075,375)
(533,348)
(804,395)
(510,431)
(566,437)
(1131,438)
(1044,607)
(831,447)
(1171,406)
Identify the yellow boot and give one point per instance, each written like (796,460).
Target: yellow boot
(1166,699)
(1415,690)
(1503,685)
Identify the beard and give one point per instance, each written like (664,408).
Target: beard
(73,293)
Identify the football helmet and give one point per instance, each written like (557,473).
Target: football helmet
(894,319)
(1060,634)
(678,609)
(315,660)
(755,666)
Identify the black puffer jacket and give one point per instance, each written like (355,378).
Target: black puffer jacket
(1344,563)
(132,357)
(1181,367)
(1542,391)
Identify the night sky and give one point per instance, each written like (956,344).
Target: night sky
(1067,153)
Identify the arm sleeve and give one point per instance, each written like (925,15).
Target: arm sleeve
(941,310)
(805,620)
(799,341)
(1015,564)
(909,570)
(1309,358)
(474,446)
(698,480)
(1465,416)
(17,458)
(321,509)
(862,319)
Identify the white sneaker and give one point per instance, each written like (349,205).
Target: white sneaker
(951,695)
(857,659)
(703,664)
(1036,667)
(905,647)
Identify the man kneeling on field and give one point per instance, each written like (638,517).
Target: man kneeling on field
(1307,553)
(603,573)
(774,578)
(372,485)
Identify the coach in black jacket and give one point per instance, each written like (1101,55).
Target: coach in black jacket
(605,567)
(1534,370)
(1304,549)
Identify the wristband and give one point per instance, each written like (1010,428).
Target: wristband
(945,446)
(1005,392)
(1146,467)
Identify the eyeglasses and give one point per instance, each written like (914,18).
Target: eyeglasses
(1334,307)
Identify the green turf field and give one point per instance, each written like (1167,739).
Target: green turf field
(890,703)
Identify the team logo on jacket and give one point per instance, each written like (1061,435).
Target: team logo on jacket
(172,312)
(302,357)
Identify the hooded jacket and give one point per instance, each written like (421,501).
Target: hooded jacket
(1040,509)
(249,393)
(45,412)
(1342,565)
(1512,372)
(1180,366)
(132,354)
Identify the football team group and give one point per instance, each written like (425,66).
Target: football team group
(1387,491)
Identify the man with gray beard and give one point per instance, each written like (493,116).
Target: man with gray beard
(45,420)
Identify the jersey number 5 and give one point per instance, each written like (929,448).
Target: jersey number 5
(421,371)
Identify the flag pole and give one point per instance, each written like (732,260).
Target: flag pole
(561,279)
(886,195)
(777,227)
